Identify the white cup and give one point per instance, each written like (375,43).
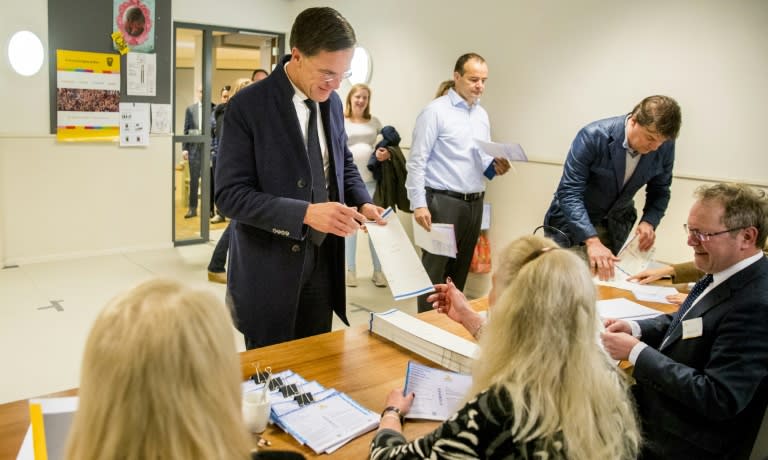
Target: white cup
(256,411)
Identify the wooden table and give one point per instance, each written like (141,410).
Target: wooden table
(353,361)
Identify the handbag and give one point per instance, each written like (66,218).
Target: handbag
(481,258)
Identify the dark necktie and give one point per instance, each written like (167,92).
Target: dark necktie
(319,191)
(698,288)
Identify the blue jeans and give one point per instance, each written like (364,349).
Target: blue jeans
(350,243)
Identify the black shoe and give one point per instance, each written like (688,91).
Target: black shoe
(190,214)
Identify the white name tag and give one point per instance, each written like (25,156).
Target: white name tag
(692,328)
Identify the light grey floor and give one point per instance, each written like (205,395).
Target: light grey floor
(41,345)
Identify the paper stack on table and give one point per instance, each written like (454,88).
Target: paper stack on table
(437,345)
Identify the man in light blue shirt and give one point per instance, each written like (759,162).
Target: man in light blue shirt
(446,170)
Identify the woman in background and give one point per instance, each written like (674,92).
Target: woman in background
(161,379)
(362,129)
(443,87)
(542,386)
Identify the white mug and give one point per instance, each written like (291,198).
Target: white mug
(256,408)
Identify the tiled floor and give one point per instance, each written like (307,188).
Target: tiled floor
(41,347)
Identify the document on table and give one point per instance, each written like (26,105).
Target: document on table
(440,241)
(624,309)
(328,424)
(651,293)
(512,152)
(399,262)
(633,260)
(439,393)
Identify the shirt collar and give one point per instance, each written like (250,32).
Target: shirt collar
(625,144)
(458,101)
(721,276)
(297,92)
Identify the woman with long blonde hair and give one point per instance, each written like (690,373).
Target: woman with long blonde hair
(542,386)
(160,379)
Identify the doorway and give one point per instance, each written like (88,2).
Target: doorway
(209,60)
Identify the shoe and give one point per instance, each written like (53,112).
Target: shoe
(217,277)
(217,219)
(379,280)
(351,279)
(190,214)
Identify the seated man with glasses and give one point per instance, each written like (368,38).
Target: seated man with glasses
(702,373)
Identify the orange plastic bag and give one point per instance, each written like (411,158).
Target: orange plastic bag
(481,259)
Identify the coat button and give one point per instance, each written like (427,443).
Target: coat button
(301,183)
(295,248)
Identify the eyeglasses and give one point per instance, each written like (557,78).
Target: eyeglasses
(704,236)
(331,76)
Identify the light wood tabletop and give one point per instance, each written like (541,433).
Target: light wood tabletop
(354,361)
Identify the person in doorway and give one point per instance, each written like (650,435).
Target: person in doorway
(287,178)
(193,151)
(446,171)
(362,129)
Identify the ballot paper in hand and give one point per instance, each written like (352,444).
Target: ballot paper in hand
(512,152)
(399,262)
(438,393)
(633,260)
(440,240)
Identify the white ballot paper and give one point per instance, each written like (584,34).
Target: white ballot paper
(440,241)
(512,152)
(633,260)
(439,393)
(399,262)
(624,309)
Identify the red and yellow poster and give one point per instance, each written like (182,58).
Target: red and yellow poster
(88,96)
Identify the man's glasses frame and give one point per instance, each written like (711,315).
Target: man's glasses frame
(706,236)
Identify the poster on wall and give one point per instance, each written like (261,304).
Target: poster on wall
(134,124)
(135,19)
(87,96)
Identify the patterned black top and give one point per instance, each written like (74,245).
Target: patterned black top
(480,429)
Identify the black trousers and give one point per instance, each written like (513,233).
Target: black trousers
(314,315)
(465,217)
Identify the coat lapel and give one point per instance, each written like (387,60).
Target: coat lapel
(618,154)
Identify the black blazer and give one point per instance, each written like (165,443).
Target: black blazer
(705,397)
(264,183)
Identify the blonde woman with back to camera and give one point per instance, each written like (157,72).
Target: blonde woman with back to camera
(542,387)
(161,379)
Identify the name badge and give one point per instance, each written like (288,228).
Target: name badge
(692,328)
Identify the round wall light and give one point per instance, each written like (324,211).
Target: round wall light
(361,66)
(25,51)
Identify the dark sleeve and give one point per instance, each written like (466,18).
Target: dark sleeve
(657,189)
(188,124)
(374,166)
(570,192)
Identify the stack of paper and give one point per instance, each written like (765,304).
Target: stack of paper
(323,419)
(50,420)
(422,338)
(439,393)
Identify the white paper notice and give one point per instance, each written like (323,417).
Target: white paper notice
(161,118)
(134,124)
(399,262)
(440,241)
(485,223)
(439,393)
(140,74)
(649,293)
(512,152)
(624,309)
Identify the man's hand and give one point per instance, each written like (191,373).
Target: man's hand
(676,299)
(423,218)
(501,165)
(618,344)
(373,212)
(647,235)
(601,259)
(617,325)
(651,275)
(382,154)
(334,218)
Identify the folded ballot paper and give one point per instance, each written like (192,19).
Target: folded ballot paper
(438,393)
(321,418)
(437,345)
